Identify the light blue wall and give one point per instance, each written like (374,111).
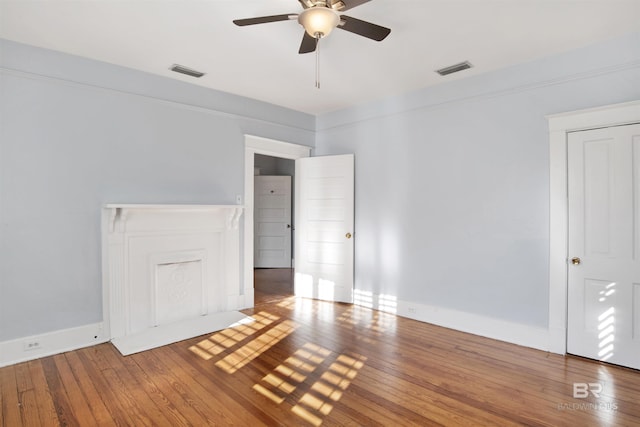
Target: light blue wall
(452,182)
(76,134)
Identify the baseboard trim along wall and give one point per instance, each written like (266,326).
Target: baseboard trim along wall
(498,329)
(515,333)
(42,345)
(37,346)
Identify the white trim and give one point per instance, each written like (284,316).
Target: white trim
(350,117)
(156,99)
(14,351)
(476,324)
(559,126)
(497,329)
(269,147)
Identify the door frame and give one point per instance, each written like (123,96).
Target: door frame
(559,126)
(270,147)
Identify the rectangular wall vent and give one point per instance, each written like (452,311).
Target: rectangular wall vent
(454,68)
(185,70)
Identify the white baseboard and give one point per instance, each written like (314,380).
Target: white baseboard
(498,329)
(15,351)
(502,330)
(37,346)
(558,340)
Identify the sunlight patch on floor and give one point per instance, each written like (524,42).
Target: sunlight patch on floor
(254,348)
(375,322)
(289,303)
(338,371)
(228,338)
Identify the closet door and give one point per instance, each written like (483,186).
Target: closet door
(604,245)
(272,222)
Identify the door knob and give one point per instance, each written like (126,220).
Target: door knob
(348,235)
(575,261)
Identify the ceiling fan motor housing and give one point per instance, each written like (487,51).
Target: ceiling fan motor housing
(319,21)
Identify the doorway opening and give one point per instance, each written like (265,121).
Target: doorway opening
(274,180)
(324,223)
(268,156)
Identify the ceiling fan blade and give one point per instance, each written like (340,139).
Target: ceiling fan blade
(363,28)
(264,19)
(349,4)
(308,43)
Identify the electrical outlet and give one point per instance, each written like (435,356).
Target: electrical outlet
(239,199)
(32,345)
(411,310)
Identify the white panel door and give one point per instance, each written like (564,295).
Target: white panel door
(324,228)
(604,245)
(272,222)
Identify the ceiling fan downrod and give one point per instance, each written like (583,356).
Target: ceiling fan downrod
(318,21)
(318,37)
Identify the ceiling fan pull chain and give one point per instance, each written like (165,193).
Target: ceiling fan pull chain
(317,61)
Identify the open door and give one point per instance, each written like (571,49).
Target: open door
(324,228)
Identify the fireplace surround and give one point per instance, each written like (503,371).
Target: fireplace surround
(171,272)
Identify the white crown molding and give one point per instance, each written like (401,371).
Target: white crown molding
(352,116)
(158,100)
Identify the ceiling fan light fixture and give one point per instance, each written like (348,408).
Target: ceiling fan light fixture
(319,21)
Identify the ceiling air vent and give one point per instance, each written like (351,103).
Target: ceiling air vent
(454,68)
(184,70)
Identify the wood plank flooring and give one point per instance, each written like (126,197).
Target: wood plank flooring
(305,362)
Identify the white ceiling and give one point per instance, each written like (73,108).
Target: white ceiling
(262,62)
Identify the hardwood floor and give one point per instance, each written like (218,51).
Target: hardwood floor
(305,362)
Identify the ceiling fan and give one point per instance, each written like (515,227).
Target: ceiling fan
(320,17)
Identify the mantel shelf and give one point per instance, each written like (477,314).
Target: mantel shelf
(157,206)
(119,212)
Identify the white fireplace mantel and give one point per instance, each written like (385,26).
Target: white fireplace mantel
(171,272)
(118,212)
